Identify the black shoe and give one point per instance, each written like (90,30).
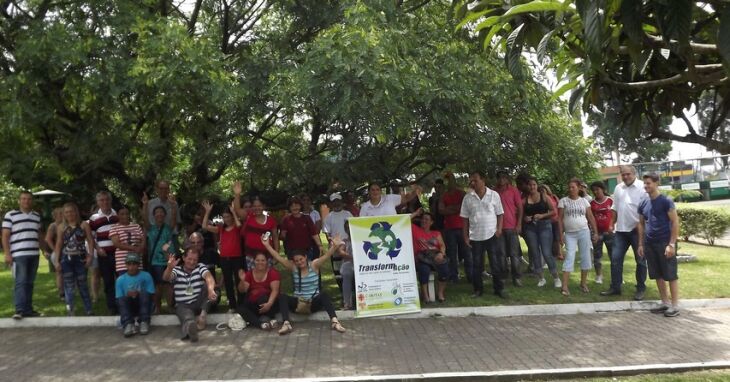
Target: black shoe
(611,292)
(659,309)
(639,295)
(33,313)
(18,316)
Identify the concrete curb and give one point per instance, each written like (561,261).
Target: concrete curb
(486,311)
(516,375)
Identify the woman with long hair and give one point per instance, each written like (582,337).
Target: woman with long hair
(538,232)
(73,236)
(575,216)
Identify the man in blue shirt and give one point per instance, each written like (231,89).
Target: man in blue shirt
(658,230)
(134,296)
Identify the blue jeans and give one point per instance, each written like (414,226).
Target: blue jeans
(456,248)
(605,238)
(621,243)
(478,248)
(74,274)
(539,239)
(26,268)
(509,248)
(131,307)
(423,271)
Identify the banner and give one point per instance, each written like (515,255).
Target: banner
(385,271)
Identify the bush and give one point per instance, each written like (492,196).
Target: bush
(707,223)
(683,195)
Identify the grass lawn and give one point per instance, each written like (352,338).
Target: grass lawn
(703,279)
(693,376)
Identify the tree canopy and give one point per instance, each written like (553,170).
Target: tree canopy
(283,94)
(648,60)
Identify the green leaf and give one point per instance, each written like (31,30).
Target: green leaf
(591,15)
(575,97)
(492,32)
(631,18)
(542,46)
(723,35)
(488,22)
(674,19)
(514,51)
(472,16)
(537,6)
(561,90)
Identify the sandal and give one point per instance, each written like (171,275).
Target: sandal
(266,326)
(338,327)
(285,328)
(274,324)
(565,292)
(584,289)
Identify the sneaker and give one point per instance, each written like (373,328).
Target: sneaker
(639,295)
(17,316)
(660,308)
(671,312)
(129,330)
(541,283)
(557,283)
(599,279)
(192,331)
(144,328)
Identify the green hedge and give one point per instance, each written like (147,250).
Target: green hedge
(707,223)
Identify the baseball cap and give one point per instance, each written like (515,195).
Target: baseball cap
(334,196)
(132,258)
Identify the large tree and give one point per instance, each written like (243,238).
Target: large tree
(285,94)
(653,59)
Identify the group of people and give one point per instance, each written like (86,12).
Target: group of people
(166,259)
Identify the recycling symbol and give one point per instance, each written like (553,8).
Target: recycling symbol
(383,240)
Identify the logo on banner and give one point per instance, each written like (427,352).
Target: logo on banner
(384,240)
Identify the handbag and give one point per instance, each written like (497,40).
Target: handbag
(303,306)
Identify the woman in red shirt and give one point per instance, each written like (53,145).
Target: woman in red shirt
(298,231)
(231,259)
(261,286)
(257,223)
(428,248)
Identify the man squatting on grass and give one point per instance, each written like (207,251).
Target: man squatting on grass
(658,230)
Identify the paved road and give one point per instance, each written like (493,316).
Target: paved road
(370,347)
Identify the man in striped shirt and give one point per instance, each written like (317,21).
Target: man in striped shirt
(101,224)
(21,230)
(194,289)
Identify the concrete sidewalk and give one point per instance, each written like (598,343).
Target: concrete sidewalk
(444,348)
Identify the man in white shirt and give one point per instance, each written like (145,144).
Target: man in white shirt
(334,223)
(626,199)
(482,212)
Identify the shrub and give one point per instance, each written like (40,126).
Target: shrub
(707,223)
(683,195)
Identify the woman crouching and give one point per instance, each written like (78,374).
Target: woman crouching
(308,296)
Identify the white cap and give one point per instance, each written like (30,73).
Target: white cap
(334,196)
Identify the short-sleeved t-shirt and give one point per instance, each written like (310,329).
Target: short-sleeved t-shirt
(423,241)
(230,241)
(299,232)
(257,289)
(334,223)
(482,214)
(24,231)
(387,206)
(602,213)
(130,234)
(453,198)
(142,281)
(511,198)
(187,286)
(656,219)
(252,232)
(574,213)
